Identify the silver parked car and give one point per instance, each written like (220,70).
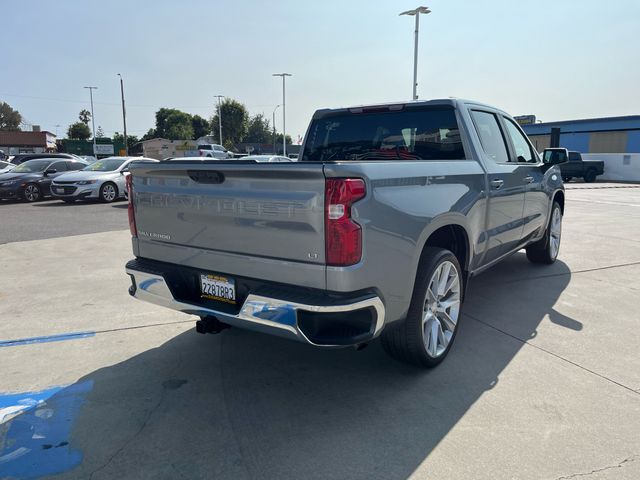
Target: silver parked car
(102,180)
(268,158)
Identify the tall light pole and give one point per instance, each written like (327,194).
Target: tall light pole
(93,120)
(274,128)
(124,118)
(416,13)
(219,97)
(284,113)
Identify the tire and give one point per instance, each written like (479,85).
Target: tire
(590,176)
(108,192)
(31,192)
(545,250)
(412,340)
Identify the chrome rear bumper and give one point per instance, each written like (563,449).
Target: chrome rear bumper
(259,313)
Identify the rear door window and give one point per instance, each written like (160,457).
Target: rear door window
(524,152)
(490,134)
(428,133)
(59,166)
(76,165)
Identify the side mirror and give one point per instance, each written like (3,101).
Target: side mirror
(49,171)
(555,156)
(123,171)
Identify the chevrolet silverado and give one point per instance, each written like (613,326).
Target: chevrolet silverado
(375,231)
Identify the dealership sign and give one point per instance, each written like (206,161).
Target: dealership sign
(103,149)
(525,119)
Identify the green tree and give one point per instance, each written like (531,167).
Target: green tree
(200,126)
(10,119)
(235,120)
(258,130)
(173,124)
(279,139)
(84,116)
(79,131)
(179,126)
(151,133)
(132,140)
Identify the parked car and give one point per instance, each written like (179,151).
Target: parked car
(267,158)
(23,157)
(374,232)
(101,180)
(214,151)
(196,159)
(89,158)
(577,167)
(31,180)
(6,166)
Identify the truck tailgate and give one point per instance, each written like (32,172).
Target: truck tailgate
(242,214)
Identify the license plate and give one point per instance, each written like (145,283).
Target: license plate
(60,190)
(219,288)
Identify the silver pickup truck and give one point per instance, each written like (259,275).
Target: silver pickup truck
(375,231)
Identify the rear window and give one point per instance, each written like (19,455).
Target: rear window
(205,147)
(416,134)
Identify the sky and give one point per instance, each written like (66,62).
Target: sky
(556,59)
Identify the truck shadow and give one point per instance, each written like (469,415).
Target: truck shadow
(244,405)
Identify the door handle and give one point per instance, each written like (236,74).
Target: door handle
(528,179)
(496,183)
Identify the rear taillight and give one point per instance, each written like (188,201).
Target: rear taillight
(132,217)
(343,236)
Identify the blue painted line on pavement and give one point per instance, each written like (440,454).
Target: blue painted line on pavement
(35,431)
(49,338)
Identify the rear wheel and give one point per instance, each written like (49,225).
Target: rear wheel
(425,337)
(546,249)
(32,192)
(590,176)
(108,192)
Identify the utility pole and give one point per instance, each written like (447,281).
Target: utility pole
(219,97)
(93,120)
(124,118)
(416,13)
(274,128)
(284,113)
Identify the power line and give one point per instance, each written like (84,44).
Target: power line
(116,104)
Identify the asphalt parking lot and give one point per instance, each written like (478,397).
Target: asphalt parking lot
(542,383)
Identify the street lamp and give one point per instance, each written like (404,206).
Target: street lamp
(284,121)
(416,13)
(274,128)
(124,118)
(219,97)
(93,120)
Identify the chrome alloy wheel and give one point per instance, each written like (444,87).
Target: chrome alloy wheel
(441,309)
(555,232)
(31,193)
(108,193)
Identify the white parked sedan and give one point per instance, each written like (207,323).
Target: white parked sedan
(102,180)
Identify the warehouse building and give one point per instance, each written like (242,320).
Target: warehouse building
(592,135)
